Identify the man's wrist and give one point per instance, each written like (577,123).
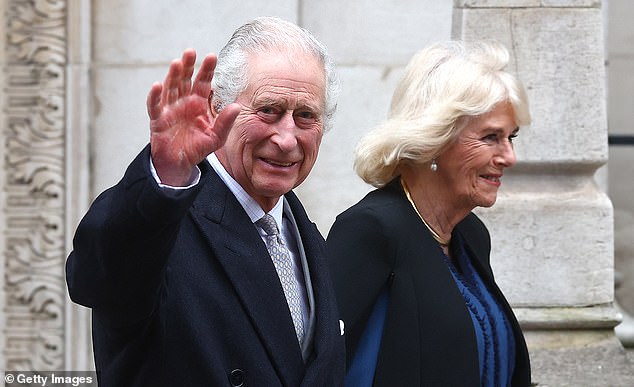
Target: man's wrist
(193,180)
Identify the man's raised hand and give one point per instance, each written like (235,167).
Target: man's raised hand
(183,130)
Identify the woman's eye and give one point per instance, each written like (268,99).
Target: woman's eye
(490,138)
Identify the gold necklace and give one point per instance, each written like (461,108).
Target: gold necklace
(438,238)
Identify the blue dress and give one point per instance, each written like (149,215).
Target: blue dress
(496,344)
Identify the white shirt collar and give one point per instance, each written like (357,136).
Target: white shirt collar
(249,204)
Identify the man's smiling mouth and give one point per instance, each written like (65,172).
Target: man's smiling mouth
(278,163)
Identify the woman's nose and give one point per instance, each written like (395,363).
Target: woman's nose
(506,156)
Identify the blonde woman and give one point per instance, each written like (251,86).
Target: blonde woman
(411,260)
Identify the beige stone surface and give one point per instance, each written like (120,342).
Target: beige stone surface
(496,3)
(564,81)
(120,123)
(146,32)
(579,359)
(553,249)
(379,33)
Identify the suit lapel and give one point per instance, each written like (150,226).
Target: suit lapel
(241,252)
(326,323)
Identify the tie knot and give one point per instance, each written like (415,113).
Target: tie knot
(268,224)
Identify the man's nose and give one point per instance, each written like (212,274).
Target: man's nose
(285,136)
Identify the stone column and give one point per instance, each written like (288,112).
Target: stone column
(33,184)
(44,170)
(79,92)
(552,228)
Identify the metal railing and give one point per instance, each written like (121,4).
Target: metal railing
(620,139)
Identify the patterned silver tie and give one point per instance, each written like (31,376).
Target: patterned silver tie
(282,260)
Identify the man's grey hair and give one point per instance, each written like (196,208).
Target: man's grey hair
(263,35)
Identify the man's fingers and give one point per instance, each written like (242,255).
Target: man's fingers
(154,101)
(202,83)
(189,60)
(172,82)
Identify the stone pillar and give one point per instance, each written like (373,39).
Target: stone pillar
(79,92)
(33,184)
(552,228)
(3,122)
(44,120)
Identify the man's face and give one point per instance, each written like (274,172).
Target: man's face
(274,141)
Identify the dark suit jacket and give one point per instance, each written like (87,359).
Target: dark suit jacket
(184,293)
(429,338)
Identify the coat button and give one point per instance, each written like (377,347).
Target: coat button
(236,378)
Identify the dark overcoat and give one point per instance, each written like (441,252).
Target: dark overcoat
(183,291)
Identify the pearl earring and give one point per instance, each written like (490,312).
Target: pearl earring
(434,165)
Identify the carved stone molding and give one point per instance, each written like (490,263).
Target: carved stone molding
(34,184)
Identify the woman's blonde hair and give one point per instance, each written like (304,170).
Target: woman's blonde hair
(443,86)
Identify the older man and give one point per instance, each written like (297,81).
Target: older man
(201,266)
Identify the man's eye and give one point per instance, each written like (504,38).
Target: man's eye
(305,117)
(268,113)
(267,110)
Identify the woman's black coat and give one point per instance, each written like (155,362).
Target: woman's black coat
(429,339)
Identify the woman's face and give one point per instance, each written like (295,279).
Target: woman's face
(472,167)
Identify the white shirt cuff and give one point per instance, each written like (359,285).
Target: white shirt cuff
(193,180)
